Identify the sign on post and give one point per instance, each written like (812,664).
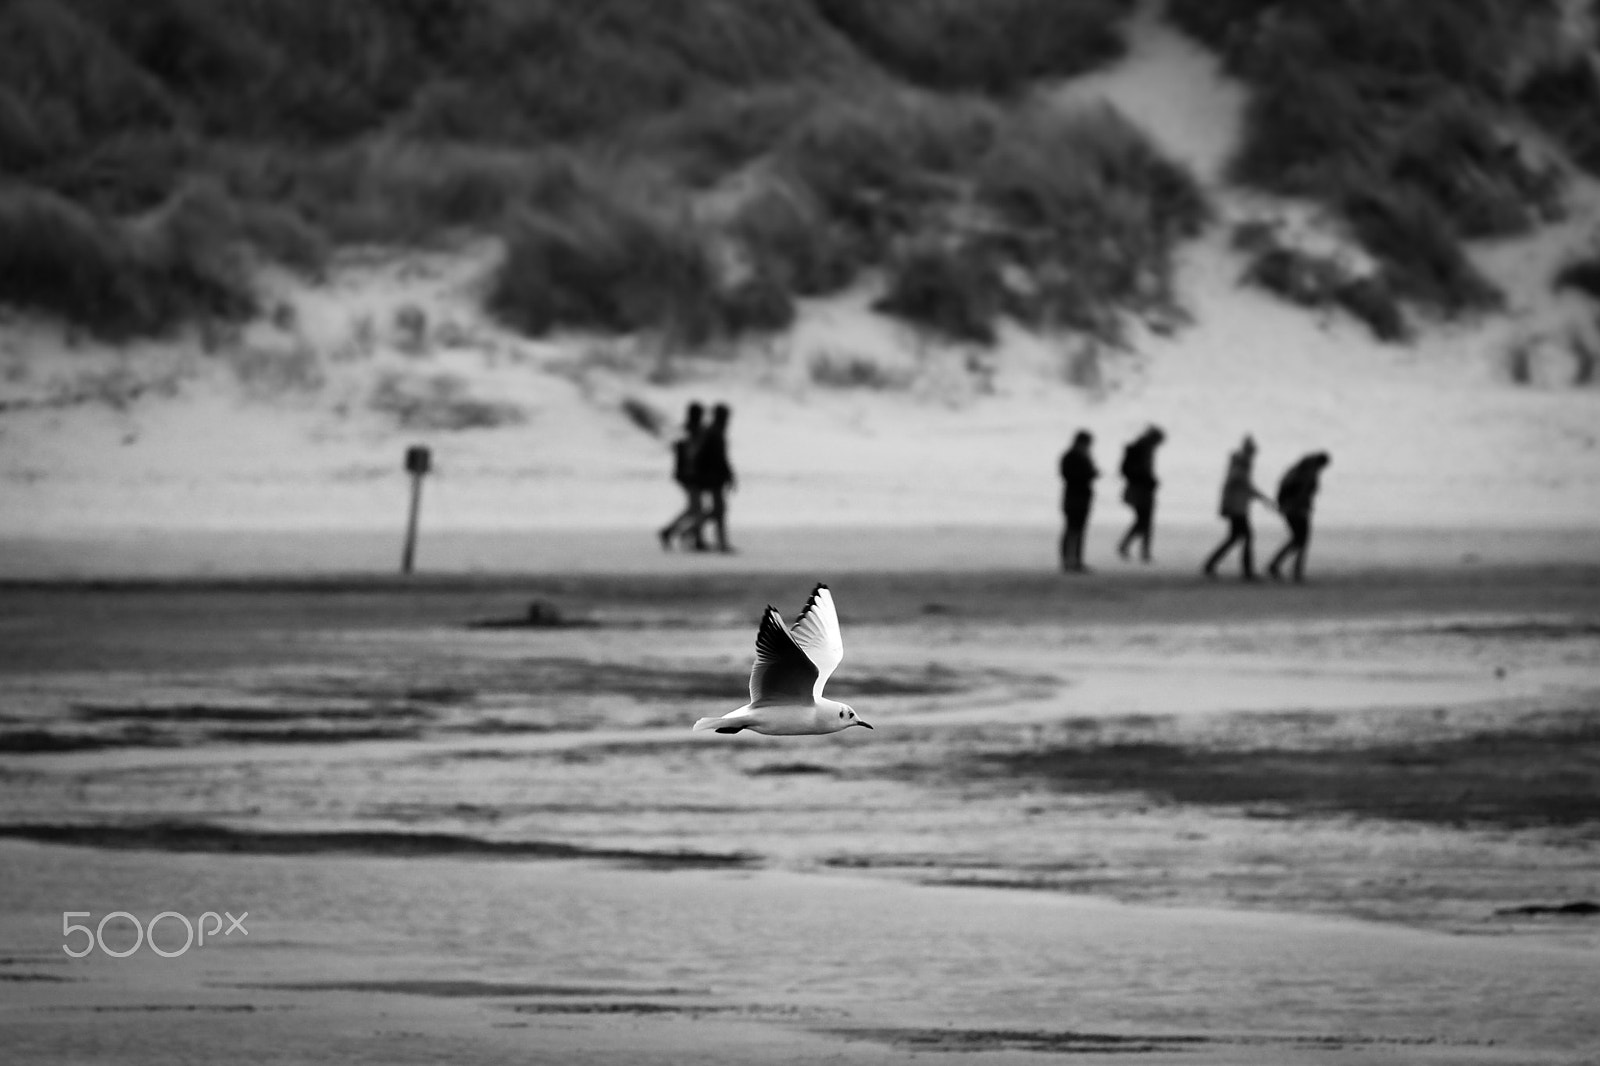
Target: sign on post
(419,460)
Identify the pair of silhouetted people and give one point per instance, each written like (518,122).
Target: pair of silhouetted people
(1296,491)
(1078,474)
(701,468)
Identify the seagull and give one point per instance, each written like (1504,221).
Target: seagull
(791,667)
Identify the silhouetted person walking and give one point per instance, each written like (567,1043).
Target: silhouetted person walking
(1295,493)
(1139,493)
(685,451)
(1077,493)
(714,475)
(1238,491)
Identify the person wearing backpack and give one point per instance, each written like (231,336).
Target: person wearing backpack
(1295,494)
(1077,494)
(685,452)
(1238,493)
(1139,491)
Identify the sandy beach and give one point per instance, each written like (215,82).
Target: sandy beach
(1137,814)
(265,800)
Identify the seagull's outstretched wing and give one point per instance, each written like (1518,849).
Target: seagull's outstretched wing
(782,673)
(817,633)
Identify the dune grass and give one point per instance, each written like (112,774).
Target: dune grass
(1395,115)
(412,121)
(973,209)
(121,279)
(791,146)
(998,46)
(1563,99)
(606,251)
(967,209)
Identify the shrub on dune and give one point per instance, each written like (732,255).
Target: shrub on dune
(944,287)
(1457,42)
(952,200)
(80,85)
(1393,114)
(1302,119)
(413,190)
(1456,157)
(408,121)
(875,164)
(1216,22)
(124,173)
(281,235)
(1090,210)
(58,259)
(190,255)
(971,210)
(787,237)
(1418,247)
(25,135)
(605,259)
(713,137)
(989,45)
(388,191)
(1564,99)
(441,402)
(121,280)
(571,71)
(1053,169)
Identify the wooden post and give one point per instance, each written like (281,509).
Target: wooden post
(418,462)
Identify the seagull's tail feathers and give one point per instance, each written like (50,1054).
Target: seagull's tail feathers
(721,725)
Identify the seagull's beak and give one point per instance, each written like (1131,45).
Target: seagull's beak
(867,724)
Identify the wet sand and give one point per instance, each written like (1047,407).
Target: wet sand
(291,552)
(435,960)
(1137,815)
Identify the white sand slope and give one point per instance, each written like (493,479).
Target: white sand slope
(302,425)
(1175,90)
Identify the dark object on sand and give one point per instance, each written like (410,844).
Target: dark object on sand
(541,614)
(788,769)
(1582,908)
(46,740)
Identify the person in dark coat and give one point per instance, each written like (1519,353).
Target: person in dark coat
(1077,475)
(1295,493)
(684,452)
(1139,491)
(1238,492)
(713,473)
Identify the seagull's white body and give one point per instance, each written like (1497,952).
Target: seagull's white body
(791,667)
